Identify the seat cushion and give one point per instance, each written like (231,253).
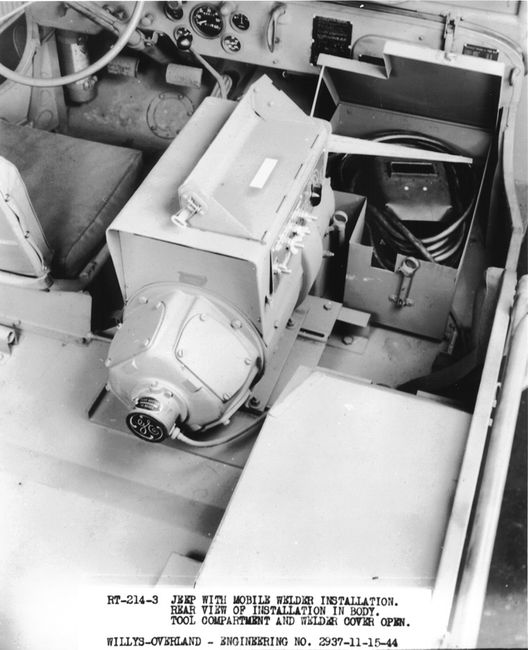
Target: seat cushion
(77,187)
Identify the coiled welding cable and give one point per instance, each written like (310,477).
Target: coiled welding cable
(390,237)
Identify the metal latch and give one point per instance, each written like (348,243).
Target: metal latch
(451,23)
(408,268)
(191,207)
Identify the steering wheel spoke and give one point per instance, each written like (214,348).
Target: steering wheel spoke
(125,35)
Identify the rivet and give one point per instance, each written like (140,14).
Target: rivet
(247,362)
(226,396)
(348,340)
(146,342)
(179,353)
(236,324)
(203,316)
(327,306)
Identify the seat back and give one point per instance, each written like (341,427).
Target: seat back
(23,247)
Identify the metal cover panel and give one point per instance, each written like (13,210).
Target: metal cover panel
(214,352)
(253,197)
(251,175)
(426,82)
(338,491)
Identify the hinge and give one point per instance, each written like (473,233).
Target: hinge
(451,23)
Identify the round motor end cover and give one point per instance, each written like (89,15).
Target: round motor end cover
(181,358)
(146,426)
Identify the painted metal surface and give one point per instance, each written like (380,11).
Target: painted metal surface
(100,487)
(292,521)
(84,502)
(62,314)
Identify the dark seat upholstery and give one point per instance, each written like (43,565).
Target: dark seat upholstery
(77,187)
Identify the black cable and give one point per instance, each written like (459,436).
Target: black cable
(390,237)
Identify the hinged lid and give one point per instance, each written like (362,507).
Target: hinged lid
(421,81)
(251,175)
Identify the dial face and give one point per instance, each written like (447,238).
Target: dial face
(231,43)
(182,32)
(240,21)
(207,21)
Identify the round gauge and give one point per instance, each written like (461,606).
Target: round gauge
(231,43)
(240,21)
(207,21)
(183,38)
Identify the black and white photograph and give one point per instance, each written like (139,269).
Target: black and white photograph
(263,324)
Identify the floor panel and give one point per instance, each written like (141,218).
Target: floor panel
(81,501)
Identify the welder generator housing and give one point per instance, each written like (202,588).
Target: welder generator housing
(210,291)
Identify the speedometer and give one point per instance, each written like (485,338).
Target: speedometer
(207,21)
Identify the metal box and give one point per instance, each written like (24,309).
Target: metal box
(234,181)
(450,97)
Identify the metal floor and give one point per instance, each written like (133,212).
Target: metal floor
(80,501)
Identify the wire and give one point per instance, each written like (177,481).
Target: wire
(228,84)
(389,236)
(215,73)
(222,441)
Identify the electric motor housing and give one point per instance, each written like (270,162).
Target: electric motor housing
(182,357)
(213,253)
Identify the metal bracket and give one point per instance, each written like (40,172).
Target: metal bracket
(8,338)
(408,268)
(451,24)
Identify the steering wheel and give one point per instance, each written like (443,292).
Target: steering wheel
(91,69)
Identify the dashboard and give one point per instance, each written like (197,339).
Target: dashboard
(289,35)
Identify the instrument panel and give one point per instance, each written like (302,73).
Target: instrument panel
(287,35)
